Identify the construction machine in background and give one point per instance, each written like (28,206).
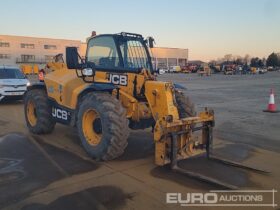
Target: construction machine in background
(29,69)
(228,69)
(113,90)
(204,69)
(215,68)
(186,69)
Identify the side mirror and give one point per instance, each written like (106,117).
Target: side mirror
(72,58)
(151,41)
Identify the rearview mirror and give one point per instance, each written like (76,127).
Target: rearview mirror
(151,41)
(72,58)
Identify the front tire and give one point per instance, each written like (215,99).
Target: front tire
(38,114)
(185,106)
(102,126)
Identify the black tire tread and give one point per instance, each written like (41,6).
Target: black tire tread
(115,122)
(45,123)
(185,106)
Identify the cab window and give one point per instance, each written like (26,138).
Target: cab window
(134,54)
(102,52)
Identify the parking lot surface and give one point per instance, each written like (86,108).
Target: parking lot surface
(53,171)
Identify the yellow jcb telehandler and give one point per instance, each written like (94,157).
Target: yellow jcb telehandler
(112,90)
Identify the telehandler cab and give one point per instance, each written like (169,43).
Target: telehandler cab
(112,90)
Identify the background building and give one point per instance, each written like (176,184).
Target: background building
(166,57)
(17,50)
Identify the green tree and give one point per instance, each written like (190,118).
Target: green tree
(273,60)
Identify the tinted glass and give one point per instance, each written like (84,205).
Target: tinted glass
(134,54)
(103,52)
(11,74)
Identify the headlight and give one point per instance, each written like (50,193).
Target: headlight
(87,72)
(28,84)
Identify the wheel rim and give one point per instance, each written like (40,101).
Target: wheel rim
(92,127)
(31,113)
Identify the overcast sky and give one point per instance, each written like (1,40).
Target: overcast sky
(208,28)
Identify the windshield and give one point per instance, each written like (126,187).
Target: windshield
(11,74)
(102,52)
(134,54)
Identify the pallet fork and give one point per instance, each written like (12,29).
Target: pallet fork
(208,129)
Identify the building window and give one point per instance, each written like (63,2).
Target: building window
(162,63)
(27,58)
(4,44)
(5,56)
(49,47)
(172,62)
(182,62)
(49,58)
(154,63)
(28,46)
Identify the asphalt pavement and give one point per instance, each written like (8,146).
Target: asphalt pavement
(53,171)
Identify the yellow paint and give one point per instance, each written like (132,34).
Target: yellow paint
(31,113)
(91,136)
(160,96)
(29,68)
(56,66)
(35,69)
(143,98)
(185,147)
(254,70)
(26,69)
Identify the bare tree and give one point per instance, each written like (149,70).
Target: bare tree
(247,59)
(228,57)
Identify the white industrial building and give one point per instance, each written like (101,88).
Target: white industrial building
(165,57)
(17,50)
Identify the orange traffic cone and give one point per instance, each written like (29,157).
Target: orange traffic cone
(271,107)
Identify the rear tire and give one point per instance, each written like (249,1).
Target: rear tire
(38,114)
(185,106)
(102,126)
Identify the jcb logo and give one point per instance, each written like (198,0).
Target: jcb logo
(59,114)
(118,79)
